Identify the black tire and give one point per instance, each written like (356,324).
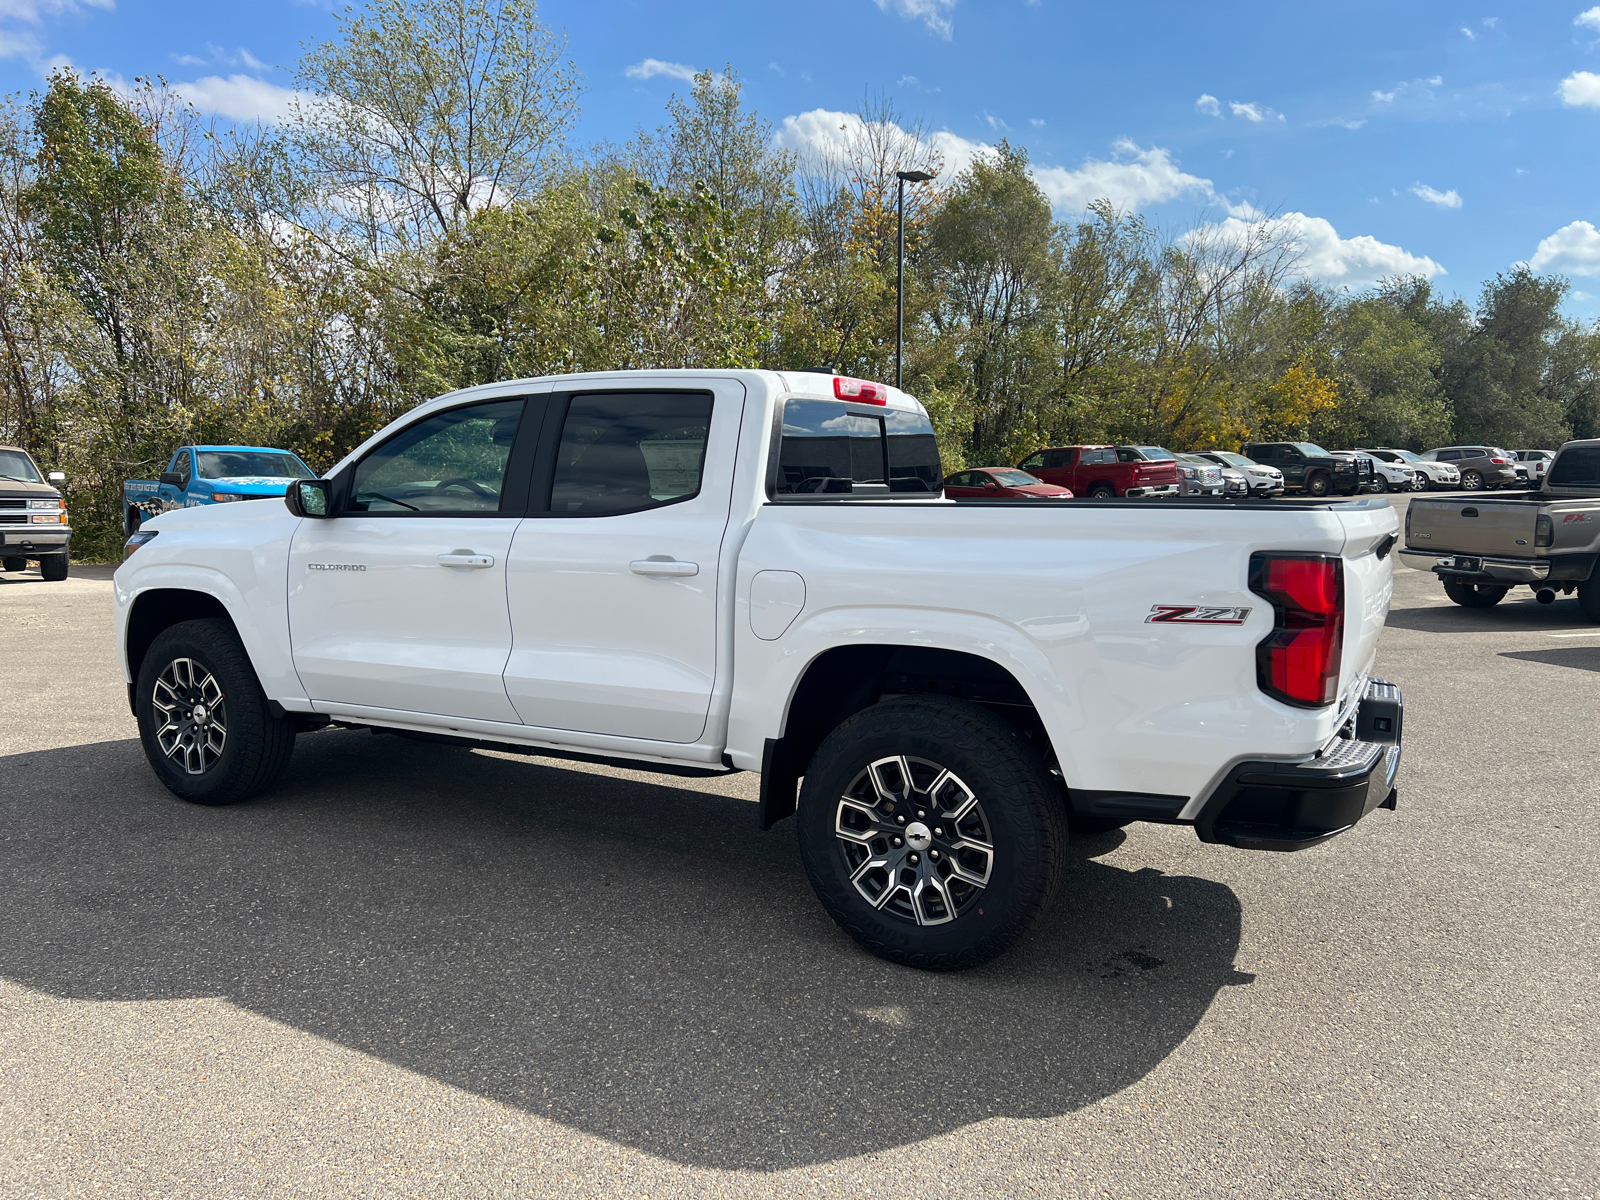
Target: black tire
(1318,484)
(999,781)
(1380,484)
(1471,481)
(54,567)
(1589,598)
(1475,595)
(15,562)
(1102,491)
(255,746)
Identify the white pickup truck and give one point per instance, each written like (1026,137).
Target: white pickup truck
(752,570)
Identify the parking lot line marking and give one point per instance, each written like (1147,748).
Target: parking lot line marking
(1585,633)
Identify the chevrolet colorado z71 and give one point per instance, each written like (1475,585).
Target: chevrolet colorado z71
(756,570)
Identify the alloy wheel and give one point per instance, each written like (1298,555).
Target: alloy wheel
(193,713)
(915,840)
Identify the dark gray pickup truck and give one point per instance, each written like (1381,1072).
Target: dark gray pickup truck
(1549,539)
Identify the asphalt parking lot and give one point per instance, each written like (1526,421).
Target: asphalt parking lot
(428,971)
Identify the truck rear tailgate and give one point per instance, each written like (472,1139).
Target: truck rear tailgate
(1482,527)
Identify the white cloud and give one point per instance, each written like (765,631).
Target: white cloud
(822,132)
(1471,37)
(651,67)
(1574,249)
(1036,122)
(15,43)
(1254,113)
(1581,89)
(239,97)
(189,60)
(1353,262)
(31,10)
(935,14)
(1134,178)
(1383,97)
(994,122)
(1450,199)
(1589,18)
(1208,105)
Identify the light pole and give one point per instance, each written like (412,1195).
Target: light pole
(904,177)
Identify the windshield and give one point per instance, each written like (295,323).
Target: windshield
(1311,449)
(1014,478)
(245,464)
(1145,453)
(1408,456)
(14,464)
(1233,460)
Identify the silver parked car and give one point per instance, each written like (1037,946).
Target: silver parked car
(1262,480)
(1198,476)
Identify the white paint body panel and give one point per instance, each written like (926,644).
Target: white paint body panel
(692,668)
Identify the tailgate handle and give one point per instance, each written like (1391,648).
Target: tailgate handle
(1469,512)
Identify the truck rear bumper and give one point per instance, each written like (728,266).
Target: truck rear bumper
(1476,569)
(1167,489)
(1294,806)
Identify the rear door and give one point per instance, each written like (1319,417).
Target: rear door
(613,579)
(399,602)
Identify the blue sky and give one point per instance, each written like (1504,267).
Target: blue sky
(1450,139)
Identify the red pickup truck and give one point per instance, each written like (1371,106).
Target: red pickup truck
(1102,471)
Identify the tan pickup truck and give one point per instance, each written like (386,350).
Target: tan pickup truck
(1481,548)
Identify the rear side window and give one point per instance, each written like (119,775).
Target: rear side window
(828,448)
(626,452)
(1474,454)
(1578,467)
(1098,458)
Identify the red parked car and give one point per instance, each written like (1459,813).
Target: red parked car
(1098,471)
(991,483)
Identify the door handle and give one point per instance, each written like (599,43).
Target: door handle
(465,558)
(663,566)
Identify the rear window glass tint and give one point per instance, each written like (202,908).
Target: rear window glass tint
(1578,467)
(623,453)
(828,449)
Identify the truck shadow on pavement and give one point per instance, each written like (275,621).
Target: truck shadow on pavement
(1519,613)
(629,958)
(1582,658)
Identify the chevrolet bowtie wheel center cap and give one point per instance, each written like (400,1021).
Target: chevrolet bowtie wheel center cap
(918,836)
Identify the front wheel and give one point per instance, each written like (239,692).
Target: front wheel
(1476,595)
(1380,485)
(931,831)
(54,567)
(1319,485)
(203,719)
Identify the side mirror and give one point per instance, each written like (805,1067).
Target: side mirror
(171,477)
(311,498)
(56,477)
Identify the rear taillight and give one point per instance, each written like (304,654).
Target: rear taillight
(1499,462)
(1544,530)
(1298,663)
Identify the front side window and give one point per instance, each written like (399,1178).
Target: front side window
(624,452)
(452,463)
(1033,462)
(246,464)
(1057,459)
(1311,450)
(14,464)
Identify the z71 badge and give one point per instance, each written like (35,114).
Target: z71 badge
(1195,614)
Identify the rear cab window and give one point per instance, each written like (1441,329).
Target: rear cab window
(833,448)
(1578,467)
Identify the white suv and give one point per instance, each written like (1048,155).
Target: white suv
(1433,474)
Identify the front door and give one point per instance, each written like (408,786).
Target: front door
(399,601)
(613,587)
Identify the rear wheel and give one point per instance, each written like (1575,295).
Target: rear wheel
(1318,485)
(1476,595)
(1102,491)
(54,567)
(203,718)
(15,562)
(1471,481)
(931,831)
